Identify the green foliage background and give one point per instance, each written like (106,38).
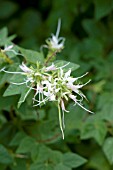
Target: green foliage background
(30,138)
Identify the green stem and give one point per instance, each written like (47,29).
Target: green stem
(50,57)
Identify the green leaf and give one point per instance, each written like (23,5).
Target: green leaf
(7,8)
(5,157)
(105,106)
(95,29)
(12,90)
(73,160)
(7,102)
(3,36)
(20,164)
(74,119)
(102,8)
(32,56)
(3,33)
(69,65)
(15,89)
(62,167)
(87,48)
(24,93)
(51,155)
(43,166)
(98,160)
(108,149)
(26,145)
(26,112)
(17,138)
(94,129)
(29,21)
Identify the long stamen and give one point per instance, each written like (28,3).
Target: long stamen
(63,66)
(60,121)
(39,102)
(86,83)
(10,72)
(82,75)
(84,108)
(19,83)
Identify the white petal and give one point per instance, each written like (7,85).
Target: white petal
(67,74)
(25,68)
(54,39)
(52,98)
(50,68)
(73,98)
(71,80)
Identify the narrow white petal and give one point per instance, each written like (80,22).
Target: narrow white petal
(67,74)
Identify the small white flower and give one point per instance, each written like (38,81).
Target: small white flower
(56,42)
(10,49)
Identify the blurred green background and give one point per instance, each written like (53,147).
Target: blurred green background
(87,26)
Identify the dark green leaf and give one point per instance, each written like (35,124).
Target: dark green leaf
(7,8)
(32,56)
(62,167)
(102,8)
(5,157)
(73,160)
(26,145)
(94,129)
(108,149)
(45,166)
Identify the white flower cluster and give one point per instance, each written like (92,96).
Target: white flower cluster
(52,84)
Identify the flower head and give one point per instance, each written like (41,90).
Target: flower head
(52,84)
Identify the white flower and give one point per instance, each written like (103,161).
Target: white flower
(56,42)
(52,84)
(25,68)
(10,49)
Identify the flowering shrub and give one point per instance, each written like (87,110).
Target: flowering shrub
(44,96)
(48,81)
